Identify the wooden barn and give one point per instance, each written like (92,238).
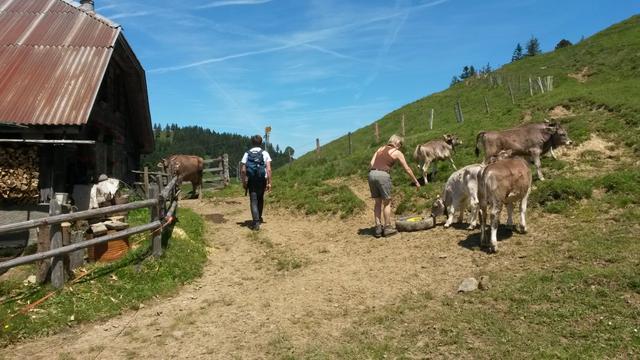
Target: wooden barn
(73,103)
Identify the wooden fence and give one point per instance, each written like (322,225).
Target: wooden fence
(219,167)
(162,201)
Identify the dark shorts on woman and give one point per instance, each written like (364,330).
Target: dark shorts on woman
(380,184)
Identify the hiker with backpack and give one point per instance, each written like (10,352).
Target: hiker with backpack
(256,178)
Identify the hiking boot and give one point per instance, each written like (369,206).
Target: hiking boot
(389,231)
(378,232)
(256,226)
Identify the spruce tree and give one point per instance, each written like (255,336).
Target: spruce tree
(533,47)
(517,53)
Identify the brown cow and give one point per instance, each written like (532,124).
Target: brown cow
(186,167)
(503,183)
(435,150)
(530,140)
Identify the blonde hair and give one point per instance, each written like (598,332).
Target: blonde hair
(396,140)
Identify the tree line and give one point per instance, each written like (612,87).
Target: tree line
(532,48)
(207,143)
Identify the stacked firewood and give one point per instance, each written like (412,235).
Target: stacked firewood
(19,173)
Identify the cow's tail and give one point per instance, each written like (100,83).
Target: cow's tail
(480,136)
(416,153)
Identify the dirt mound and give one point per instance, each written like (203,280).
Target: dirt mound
(560,112)
(595,153)
(582,76)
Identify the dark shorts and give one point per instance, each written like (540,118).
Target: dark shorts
(380,184)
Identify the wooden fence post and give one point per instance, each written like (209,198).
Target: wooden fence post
(76,258)
(431,119)
(225,166)
(530,86)
(513,100)
(145,180)
(402,123)
(44,244)
(486,104)
(156,214)
(55,233)
(377,133)
(349,135)
(549,83)
(458,110)
(290,158)
(540,84)
(317,146)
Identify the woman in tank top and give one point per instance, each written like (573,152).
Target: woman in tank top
(380,182)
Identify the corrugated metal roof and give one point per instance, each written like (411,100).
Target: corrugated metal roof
(53,56)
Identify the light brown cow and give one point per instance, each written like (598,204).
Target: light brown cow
(530,140)
(186,167)
(435,150)
(504,182)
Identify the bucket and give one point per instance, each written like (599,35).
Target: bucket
(111,250)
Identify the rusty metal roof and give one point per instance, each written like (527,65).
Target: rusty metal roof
(53,56)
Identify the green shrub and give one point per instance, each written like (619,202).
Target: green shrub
(556,195)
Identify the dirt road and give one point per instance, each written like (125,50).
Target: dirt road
(300,280)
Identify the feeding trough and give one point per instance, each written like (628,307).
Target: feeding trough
(415,223)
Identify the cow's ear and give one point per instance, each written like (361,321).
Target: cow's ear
(446,136)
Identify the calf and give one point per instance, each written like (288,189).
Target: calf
(460,190)
(530,140)
(186,168)
(435,150)
(502,183)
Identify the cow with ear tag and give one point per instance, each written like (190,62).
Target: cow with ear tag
(504,182)
(186,168)
(436,150)
(532,141)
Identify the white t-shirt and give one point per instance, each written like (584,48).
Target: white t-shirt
(265,156)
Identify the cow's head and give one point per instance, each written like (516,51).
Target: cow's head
(559,136)
(503,154)
(163,164)
(438,208)
(452,140)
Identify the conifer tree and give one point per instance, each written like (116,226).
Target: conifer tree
(533,47)
(517,53)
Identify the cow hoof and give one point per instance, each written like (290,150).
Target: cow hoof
(522,229)
(471,227)
(447,225)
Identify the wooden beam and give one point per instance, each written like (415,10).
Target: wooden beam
(9,228)
(74,247)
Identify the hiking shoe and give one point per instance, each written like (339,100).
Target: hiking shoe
(389,231)
(256,227)
(378,232)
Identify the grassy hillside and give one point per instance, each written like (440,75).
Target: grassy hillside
(606,102)
(578,294)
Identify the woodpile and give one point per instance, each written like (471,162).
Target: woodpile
(19,173)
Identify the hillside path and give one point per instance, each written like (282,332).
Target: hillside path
(302,280)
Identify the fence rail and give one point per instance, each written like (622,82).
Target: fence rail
(161,216)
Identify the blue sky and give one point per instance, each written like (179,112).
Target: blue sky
(320,68)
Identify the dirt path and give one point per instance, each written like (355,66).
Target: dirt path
(301,280)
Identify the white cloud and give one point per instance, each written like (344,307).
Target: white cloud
(232,2)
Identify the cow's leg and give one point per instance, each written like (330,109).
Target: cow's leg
(450,211)
(452,164)
(425,171)
(462,204)
(523,211)
(482,213)
(510,214)
(473,205)
(495,220)
(535,156)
